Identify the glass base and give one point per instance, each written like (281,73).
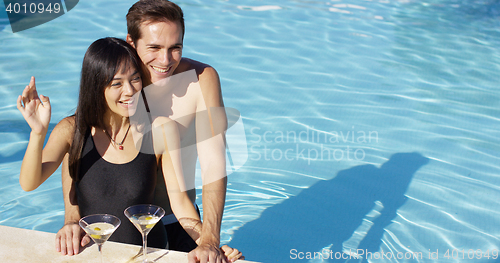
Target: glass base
(141,259)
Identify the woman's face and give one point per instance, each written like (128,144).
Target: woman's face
(119,93)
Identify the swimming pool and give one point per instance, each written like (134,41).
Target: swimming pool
(370,125)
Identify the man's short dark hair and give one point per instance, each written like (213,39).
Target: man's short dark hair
(151,11)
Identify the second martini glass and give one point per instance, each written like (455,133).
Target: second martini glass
(144,218)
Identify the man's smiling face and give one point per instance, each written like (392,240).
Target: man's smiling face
(160,48)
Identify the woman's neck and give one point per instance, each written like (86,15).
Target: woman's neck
(114,124)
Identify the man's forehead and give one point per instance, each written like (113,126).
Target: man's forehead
(159,29)
(163,23)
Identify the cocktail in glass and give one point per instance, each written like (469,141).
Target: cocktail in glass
(100,227)
(144,218)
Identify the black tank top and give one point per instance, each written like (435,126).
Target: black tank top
(107,188)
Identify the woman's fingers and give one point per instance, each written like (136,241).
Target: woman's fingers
(20,106)
(29,99)
(24,95)
(29,92)
(33,94)
(45,101)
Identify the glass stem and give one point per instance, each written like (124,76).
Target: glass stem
(144,245)
(99,246)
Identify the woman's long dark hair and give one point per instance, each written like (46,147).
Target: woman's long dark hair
(102,61)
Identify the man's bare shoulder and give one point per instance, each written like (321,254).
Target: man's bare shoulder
(208,79)
(205,72)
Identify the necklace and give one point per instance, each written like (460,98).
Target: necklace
(120,146)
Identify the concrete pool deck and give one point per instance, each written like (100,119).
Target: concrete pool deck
(22,245)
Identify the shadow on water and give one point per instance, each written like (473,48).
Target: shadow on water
(328,213)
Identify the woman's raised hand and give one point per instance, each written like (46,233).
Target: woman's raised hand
(35,109)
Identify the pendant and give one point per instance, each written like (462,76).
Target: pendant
(120,147)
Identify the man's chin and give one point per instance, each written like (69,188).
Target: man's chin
(157,78)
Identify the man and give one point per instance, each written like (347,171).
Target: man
(156,30)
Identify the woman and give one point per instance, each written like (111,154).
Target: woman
(110,160)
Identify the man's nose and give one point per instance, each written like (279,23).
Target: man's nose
(165,56)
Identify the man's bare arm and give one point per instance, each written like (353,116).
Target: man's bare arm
(70,237)
(211,123)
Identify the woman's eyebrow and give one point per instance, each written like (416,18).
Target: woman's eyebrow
(118,78)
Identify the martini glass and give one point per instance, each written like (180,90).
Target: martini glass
(144,218)
(100,227)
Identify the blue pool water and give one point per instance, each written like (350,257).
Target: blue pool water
(370,125)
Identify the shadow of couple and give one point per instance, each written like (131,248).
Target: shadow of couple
(329,213)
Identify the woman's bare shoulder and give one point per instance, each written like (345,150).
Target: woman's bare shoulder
(65,128)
